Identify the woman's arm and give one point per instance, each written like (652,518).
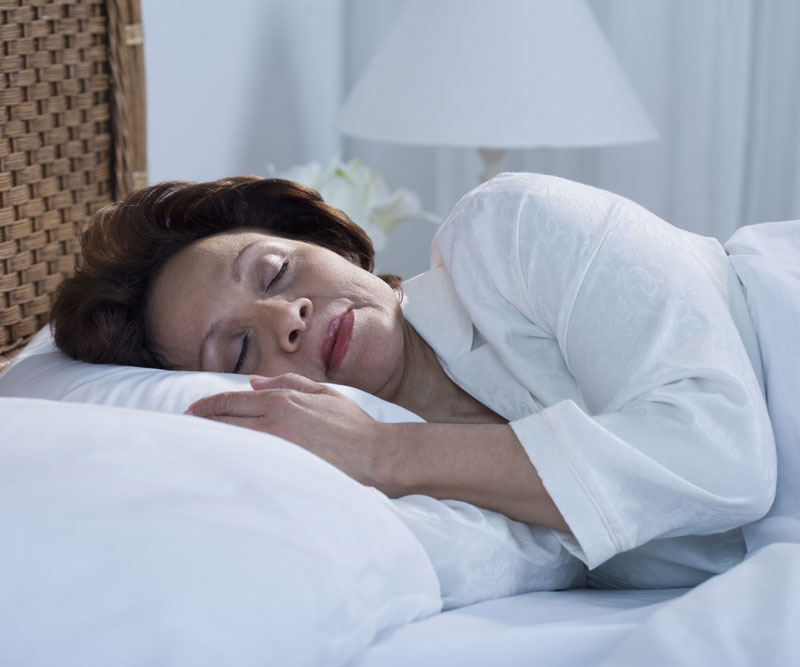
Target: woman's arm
(482,464)
(664,431)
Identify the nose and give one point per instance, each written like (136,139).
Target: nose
(289,320)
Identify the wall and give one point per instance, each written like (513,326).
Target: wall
(237,85)
(223,84)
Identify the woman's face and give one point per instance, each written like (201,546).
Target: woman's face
(248,302)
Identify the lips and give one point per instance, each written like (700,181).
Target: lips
(337,341)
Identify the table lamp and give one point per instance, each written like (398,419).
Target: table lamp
(495,75)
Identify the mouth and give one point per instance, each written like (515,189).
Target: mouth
(337,341)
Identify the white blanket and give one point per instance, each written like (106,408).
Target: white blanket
(746,616)
(767,259)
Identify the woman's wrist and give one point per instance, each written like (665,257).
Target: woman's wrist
(482,464)
(391,457)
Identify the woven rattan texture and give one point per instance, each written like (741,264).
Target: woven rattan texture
(56,142)
(128,101)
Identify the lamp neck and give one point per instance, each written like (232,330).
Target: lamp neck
(491,158)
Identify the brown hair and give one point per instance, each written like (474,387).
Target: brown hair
(99,313)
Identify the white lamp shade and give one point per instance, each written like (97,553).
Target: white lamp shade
(495,74)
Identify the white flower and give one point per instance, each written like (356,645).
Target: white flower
(361,193)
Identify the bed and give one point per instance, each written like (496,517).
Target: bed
(135,535)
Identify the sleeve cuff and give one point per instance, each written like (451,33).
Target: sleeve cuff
(593,539)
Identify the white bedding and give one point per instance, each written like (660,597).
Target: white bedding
(575,627)
(130,539)
(95,599)
(748,616)
(477,554)
(767,260)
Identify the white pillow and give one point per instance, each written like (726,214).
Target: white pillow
(175,541)
(477,554)
(42,371)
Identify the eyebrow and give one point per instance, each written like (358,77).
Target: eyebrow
(236,267)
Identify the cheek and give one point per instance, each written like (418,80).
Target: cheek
(385,344)
(379,292)
(380,361)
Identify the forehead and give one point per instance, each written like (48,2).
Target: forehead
(206,260)
(218,244)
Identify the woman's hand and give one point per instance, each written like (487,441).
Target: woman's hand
(307,413)
(482,464)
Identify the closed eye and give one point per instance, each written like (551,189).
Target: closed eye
(242,358)
(240,361)
(277,277)
(242,354)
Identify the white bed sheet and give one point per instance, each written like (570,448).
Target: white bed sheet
(575,627)
(749,615)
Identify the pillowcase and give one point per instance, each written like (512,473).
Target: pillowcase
(182,542)
(40,370)
(476,553)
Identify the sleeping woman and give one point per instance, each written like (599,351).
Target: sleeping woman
(582,365)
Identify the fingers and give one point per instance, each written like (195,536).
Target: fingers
(254,423)
(269,393)
(245,422)
(232,403)
(287,381)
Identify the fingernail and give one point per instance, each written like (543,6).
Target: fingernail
(188,412)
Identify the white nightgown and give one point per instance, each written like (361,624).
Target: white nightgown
(621,352)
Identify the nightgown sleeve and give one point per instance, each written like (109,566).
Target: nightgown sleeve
(673,436)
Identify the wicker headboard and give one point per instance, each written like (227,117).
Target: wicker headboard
(72,139)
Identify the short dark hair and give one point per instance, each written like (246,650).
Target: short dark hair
(99,314)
